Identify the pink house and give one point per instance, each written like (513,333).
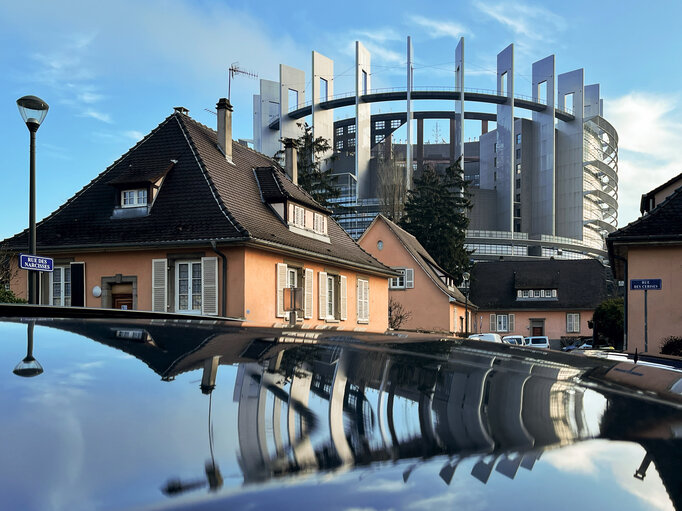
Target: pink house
(555,298)
(423,288)
(651,248)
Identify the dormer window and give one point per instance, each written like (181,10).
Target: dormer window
(299,217)
(134,198)
(319,224)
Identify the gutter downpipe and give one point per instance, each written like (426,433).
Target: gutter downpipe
(223,307)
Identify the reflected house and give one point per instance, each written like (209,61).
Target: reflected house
(189,222)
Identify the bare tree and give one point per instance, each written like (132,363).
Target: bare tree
(391,188)
(7,274)
(397,314)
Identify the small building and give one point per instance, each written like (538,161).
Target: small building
(651,248)
(425,290)
(551,297)
(189,222)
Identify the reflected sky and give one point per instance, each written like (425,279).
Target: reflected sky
(99,429)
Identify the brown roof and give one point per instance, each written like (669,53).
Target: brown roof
(423,258)
(203,198)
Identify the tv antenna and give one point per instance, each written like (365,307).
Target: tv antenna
(235,70)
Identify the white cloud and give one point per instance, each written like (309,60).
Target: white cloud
(529,21)
(133,135)
(94,114)
(381,35)
(649,136)
(438,28)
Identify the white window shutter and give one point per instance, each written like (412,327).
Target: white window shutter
(322,294)
(308,303)
(281,284)
(343,299)
(159,285)
(512,323)
(366,298)
(493,323)
(409,278)
(209,286)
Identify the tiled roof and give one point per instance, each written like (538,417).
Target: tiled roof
(275,186)
(203,197)
(663,223)
(423,258)
(580,284)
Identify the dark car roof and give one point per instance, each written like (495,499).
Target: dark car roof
(143,410)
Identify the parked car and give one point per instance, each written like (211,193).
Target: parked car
(490,337)
(537,341)
(577,346)
(513,339)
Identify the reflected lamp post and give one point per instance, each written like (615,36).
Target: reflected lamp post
(29,366)
(466,276)
(33,110)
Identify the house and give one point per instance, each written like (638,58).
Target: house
(422,288)
(188,221)
(650,248)
(549,297)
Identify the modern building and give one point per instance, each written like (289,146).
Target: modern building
(424,290)
(189,222)
(647,255)
(545,179)
(544,297)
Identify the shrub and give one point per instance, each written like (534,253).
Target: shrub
(672,346)
(7,296)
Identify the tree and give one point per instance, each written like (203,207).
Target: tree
(435,213)
(7,274)
(608,323)
(315,174)
(397,314)
(391,188)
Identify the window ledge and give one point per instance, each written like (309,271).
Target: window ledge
(309,234)
(331,321)
(129,212)
(363,321)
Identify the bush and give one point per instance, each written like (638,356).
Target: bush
(608,323)
(7,296)
(672,346)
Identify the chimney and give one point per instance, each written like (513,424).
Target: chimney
(291,159)
(225,127)
(484,127)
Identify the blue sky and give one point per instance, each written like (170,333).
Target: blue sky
(112,71)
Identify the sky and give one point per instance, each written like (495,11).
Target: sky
(112,71)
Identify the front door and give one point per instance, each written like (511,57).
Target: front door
(122,296)
(537,327)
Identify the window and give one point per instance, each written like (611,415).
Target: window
(351,142)
(288,277)
(495,173)
(351,128)
(573,322)
(518,138)
(188,286)
(395,123)
(363,300)
(293,98)
(299,216)
(518,183)
(380,125)
(518,154)
(403,281)
(495,162)
(134,198)
(339,144)
(60,290)
(518,168)
(364,82)
(502,322)
(378,138)
(332,296)
(319,223)
(324,90)
(339,131)
(495,147)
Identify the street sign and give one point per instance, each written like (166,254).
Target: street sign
(36,263)
(645,284)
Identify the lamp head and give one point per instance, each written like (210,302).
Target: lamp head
(33,110)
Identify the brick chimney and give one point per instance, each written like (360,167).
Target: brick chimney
(225,127)
(291,159)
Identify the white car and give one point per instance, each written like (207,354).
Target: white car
(486,337)
(513,339)
(537,341)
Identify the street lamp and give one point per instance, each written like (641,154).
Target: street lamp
(29,366)
(33,110)
(466,276)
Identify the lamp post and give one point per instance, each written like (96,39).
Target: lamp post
(466,276)
(33,110)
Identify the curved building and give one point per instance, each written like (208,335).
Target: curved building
(544,184)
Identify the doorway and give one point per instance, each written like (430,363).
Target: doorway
(119,292)
(122,296)
(537,326)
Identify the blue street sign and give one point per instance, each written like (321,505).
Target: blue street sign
(36,263)
(645,284)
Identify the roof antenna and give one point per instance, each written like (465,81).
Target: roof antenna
(234,70)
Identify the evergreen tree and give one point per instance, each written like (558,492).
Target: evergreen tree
(435,213)
(312,178)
